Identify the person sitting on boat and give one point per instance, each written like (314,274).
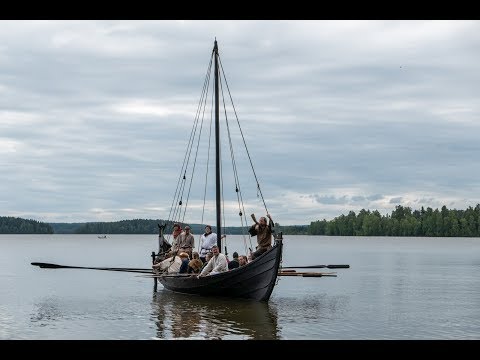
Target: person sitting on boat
(207,259)
(186,241)
(216,265)
(207,240)
(185,261)
(264,235)
(242,260)
(195,265)
(170,266)
(234,263)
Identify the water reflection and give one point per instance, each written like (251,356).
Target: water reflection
(179,316)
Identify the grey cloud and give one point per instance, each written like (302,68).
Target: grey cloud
(96,114)
(329,199)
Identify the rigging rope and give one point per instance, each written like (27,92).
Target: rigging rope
(175,213)
(208,161)
(176,204)
(241,132)
(235,173)
(196,154)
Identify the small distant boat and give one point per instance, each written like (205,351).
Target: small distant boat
(102,237)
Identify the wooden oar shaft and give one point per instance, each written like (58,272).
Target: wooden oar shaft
(306,274)
(280,273)
(317,267)
(169,275)
(56,266)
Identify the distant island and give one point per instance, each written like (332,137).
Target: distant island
(401,222)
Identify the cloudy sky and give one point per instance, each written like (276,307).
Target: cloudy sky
(95,116)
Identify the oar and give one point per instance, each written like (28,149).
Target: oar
(56,266)
(306,274)
(303,273)
(300,272)
(155,275)
(317,267)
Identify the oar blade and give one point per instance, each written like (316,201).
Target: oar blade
(338,266)
(47,265)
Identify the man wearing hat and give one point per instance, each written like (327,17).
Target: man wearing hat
(217,264)
(186,241)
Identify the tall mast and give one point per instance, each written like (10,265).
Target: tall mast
(217,153)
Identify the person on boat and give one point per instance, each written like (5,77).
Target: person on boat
(242,260)
(207,259)
(195,265)
(207,240)
(186,241)
(234,263)
(185,260)
(264,235)
(216,265)
(170,266)
(177,230)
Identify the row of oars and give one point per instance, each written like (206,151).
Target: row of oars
(284,271)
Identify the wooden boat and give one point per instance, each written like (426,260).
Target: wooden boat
(255,280)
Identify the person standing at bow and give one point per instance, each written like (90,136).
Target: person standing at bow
(264,235)
(207,240)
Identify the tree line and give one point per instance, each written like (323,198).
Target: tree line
(14,225)
(403,222)
(143,226)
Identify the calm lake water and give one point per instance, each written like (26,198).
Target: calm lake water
(396,288)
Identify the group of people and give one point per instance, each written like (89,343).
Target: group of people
(209,261)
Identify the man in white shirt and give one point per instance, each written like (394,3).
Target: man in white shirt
(207,240)
(217,264)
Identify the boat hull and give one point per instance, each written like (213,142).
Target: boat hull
(254,280)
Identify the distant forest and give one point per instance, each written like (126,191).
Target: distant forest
(401,222)
(13,225)
(135,226)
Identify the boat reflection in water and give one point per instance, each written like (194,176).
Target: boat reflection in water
(180,316)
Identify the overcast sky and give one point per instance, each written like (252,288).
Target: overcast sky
(95,116)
